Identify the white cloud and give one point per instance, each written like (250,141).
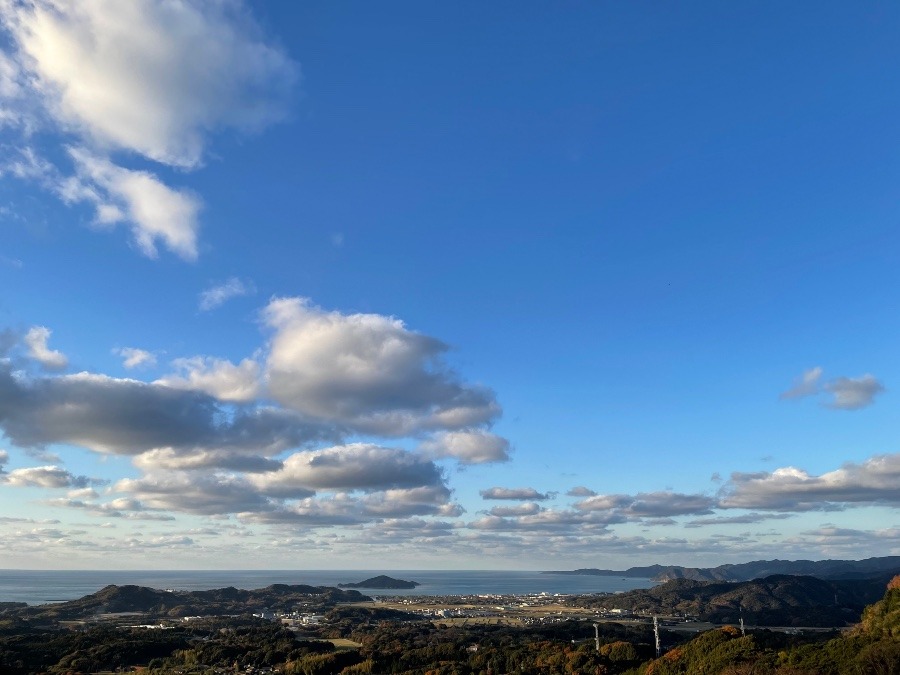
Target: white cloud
(514,494)
(745,519)
(847,393)
(661,504)
(153,210)
(597,502)
(526,509)
(581,491)
(853,393)
(203,459)
(427,500)
(129,417)
(10,78)
(557,522)
(217,377)
(136,358)
(36,340)
(142,77)
(875,481)
(150,77)
(343,508)
(358,466)
(806,385)
(367,371)
(45,476)
(216,296)
(82,493)
(200,494)
(469,447)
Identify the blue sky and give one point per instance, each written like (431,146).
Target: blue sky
(305,285)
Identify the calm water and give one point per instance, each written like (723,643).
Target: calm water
(39,586)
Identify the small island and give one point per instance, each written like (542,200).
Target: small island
(382,582)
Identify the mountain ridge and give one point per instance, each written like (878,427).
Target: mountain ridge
(756,569)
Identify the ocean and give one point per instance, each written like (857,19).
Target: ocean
(40,586)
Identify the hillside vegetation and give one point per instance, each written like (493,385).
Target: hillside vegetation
(155,603)
(779,600)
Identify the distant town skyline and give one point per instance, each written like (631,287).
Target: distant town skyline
(475,286)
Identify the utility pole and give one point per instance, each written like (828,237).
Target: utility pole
(597,637)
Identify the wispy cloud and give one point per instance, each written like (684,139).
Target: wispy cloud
(169,75)
(136,358)
(846,393)
(218,294)
(805,385)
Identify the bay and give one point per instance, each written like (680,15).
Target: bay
(41,586)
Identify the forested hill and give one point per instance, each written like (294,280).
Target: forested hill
(871,648)
(220,601)
(881,567)
(778,600)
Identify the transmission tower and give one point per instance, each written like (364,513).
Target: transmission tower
(656,634)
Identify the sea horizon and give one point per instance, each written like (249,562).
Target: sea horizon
(44,586)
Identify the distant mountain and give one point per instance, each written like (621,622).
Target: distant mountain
(220,601)
(822,569)
(777,600)
(381,582)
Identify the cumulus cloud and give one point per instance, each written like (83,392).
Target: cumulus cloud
(853,393)
(211,438)
(427,500)
(218,295)
(468,447)
(217,377)
(650,504)
(47,477)
(155,79)
(122,507)
(198,494)
(521,494)
(358,466)
(340,509)
(367,371)
(846,393)
(171,459)
(149,77)
(129,417)
(875,481)
(344,508)
(580,491)
(135,358)
(36,341)
(526,509)
(400,529)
